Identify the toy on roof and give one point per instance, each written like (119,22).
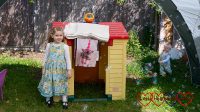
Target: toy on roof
(89,17)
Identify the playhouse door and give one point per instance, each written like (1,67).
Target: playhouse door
(86,74)
(90,82)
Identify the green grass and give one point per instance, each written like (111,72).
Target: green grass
(21,94)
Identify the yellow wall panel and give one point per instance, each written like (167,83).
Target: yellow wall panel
(119,61)
(116,76)
(116,70)
(116,89)
(117,80)
(71,80)
(116,94)
(113,84)
(116,66)
(124,70)
(71,84)
(116,47)
(114,57)
(117,98)
(116,42)
(120,52)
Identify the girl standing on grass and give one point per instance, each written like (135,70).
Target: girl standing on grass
(56,68)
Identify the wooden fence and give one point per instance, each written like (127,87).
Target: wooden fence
(26,25)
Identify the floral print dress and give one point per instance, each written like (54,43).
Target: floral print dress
(54,79)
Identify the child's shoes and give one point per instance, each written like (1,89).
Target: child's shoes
(50,102)
(163,75)
(65,105)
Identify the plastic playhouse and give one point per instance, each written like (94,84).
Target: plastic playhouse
(111,67)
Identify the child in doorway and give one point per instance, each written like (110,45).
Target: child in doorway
(56,68)
(164,61)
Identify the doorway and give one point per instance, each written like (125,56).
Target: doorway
(89,82)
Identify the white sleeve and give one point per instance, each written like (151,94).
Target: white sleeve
(46,54)
(67,57)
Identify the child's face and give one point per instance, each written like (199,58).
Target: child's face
(166,49)
(58,36)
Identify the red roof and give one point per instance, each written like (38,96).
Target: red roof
(116,30)
(59,24)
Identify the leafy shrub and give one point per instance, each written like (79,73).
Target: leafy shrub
(120,2)
(141,55)
(135,69)
(134,48)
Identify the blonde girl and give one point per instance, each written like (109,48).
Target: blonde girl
(56,68)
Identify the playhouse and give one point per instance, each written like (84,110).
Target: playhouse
(111,67)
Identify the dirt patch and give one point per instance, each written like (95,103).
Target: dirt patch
(24,54)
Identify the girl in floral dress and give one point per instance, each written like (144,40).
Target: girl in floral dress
(56,68)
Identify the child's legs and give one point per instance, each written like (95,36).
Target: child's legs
(162,70)
(64,98)
(48,99)
(168,69)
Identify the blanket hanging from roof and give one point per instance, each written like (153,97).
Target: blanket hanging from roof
(85,30)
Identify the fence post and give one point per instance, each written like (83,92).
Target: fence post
(35,34)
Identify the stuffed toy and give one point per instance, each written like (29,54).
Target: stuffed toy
(148,70)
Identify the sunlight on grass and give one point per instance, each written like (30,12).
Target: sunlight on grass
(158,104)
(6,59)
(21,92)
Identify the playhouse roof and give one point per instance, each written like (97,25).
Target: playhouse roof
(116,29)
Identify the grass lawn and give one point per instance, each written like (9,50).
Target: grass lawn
(21,94)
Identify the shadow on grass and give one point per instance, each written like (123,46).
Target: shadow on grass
(29,75)
(20,78)
(21,93)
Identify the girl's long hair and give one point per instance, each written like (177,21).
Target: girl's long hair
(52,32)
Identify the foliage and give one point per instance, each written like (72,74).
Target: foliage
(31,1)
(141,55)
(120,2)
(148,36)
(153,5)
(134,48)
(135,69)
